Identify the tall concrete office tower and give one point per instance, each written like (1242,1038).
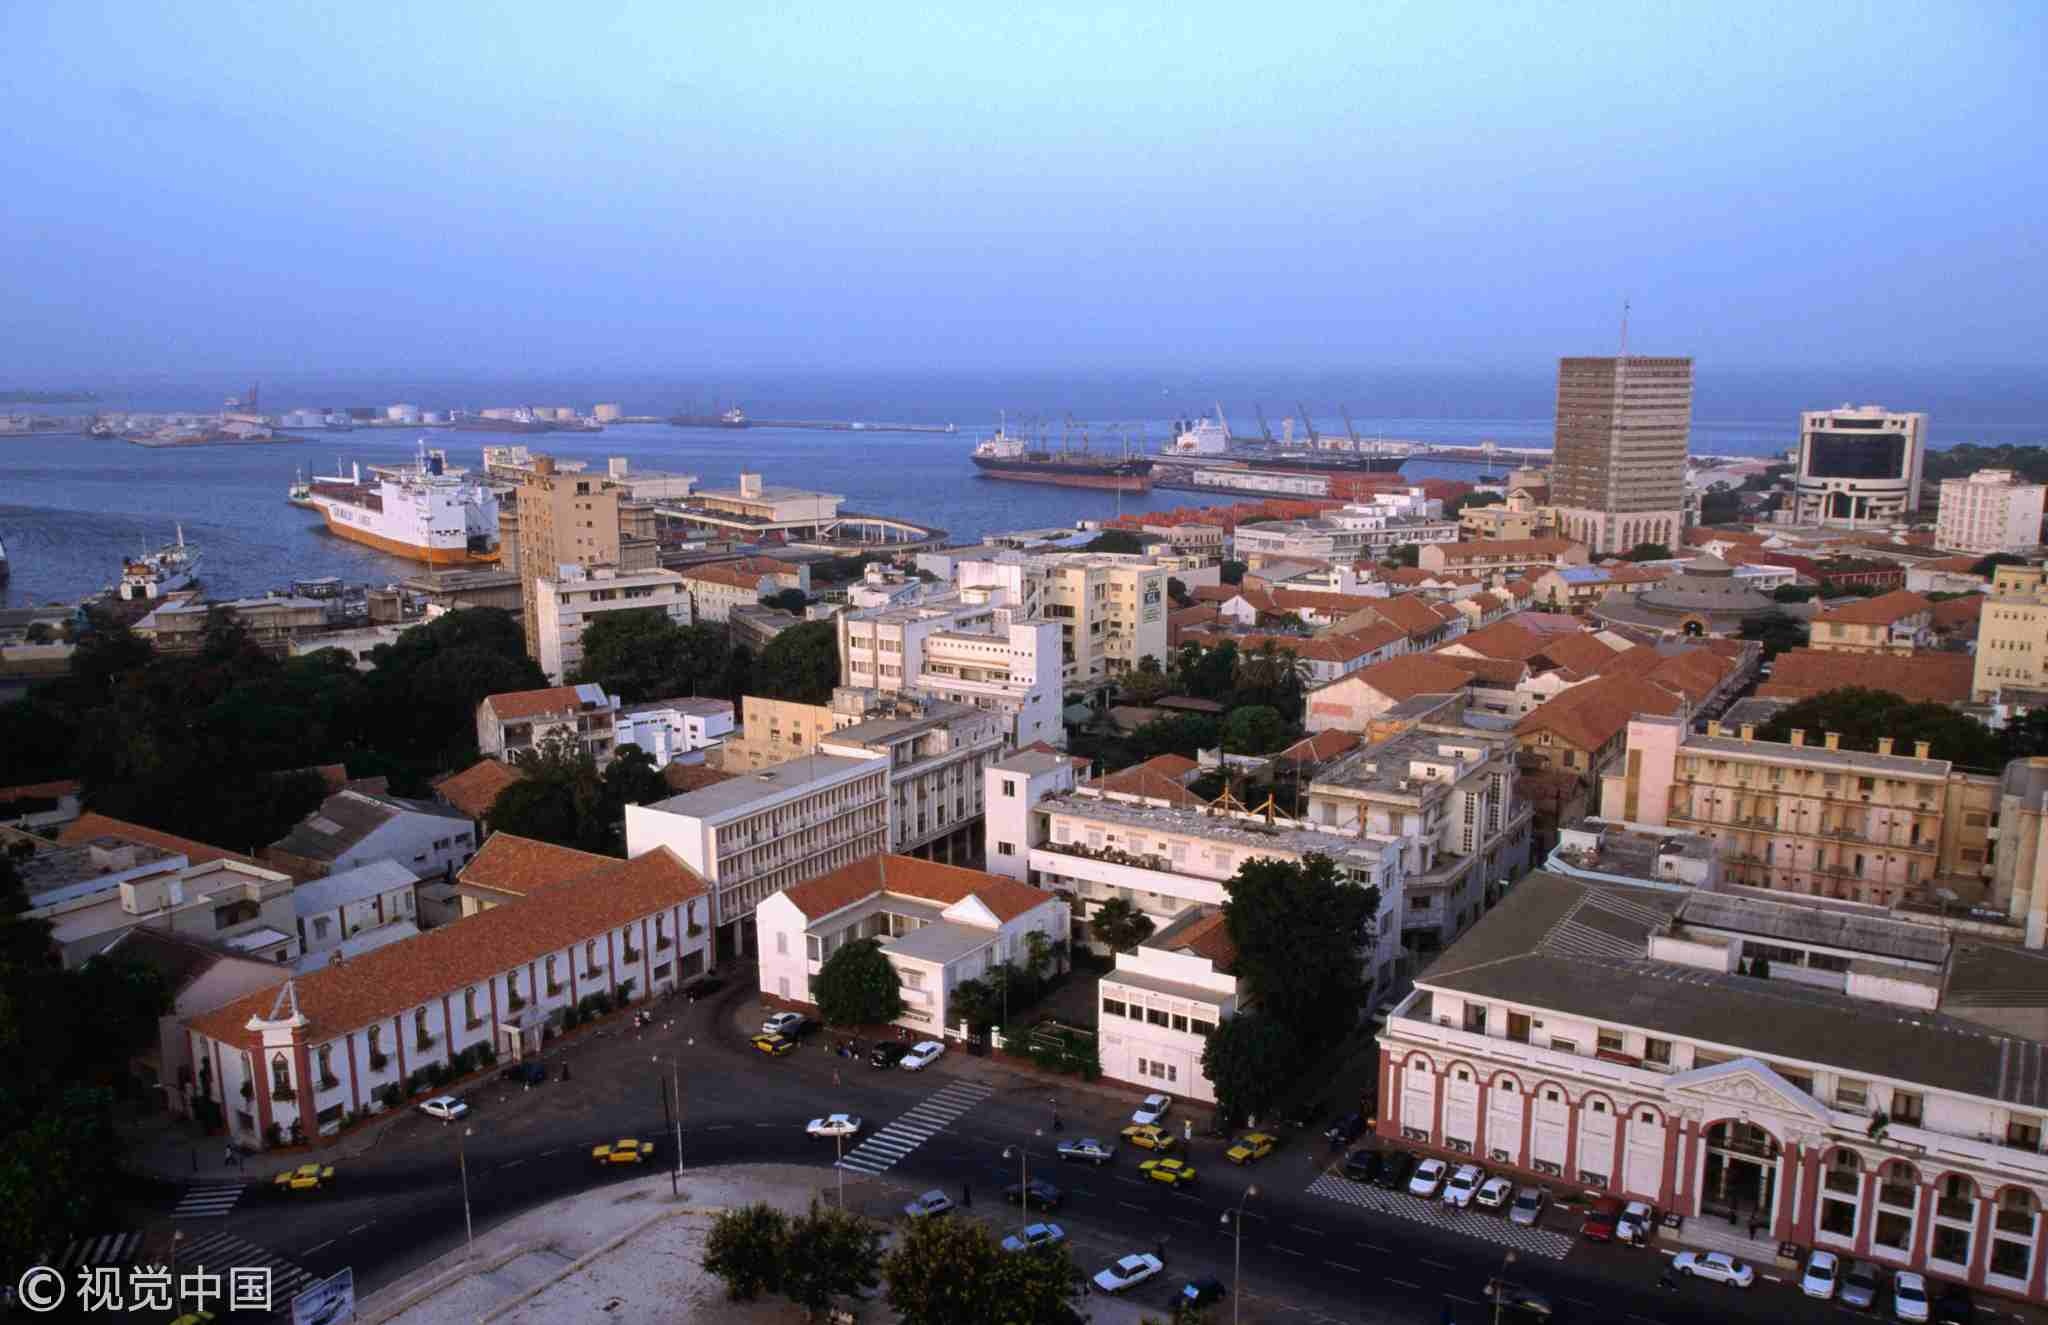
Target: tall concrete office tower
(1618,478)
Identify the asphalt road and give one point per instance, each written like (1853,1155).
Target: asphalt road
(1304,1255)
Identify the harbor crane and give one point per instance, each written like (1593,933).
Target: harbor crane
(1264,431)
(1315,439)
(1349,431)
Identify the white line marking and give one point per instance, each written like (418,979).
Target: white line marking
(1403,1282)
(1129,1206)
(314,1251)
(511,1164)
(550,1154)
(1288,1250)
(1342,1266)
(1455,1298)
(1306,1229)
(1437,1265)
(359,1228)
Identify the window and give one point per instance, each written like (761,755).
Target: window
(1200,1027)
(1852,1094)
(1906,1106)
(280,1075)
(1009,786)
(2023,1132)
(1563,1045)
(913,979)
(782,943)
(1155,1016)
(1180,1023)
(1612,1042)
(1657,1051)
(1475,1018)
(1006,848)
(320,927)
(1112,1007)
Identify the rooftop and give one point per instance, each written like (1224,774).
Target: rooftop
(907,876)
(1881,610)
(90,826)
(350,886)
(1817,922)
(475,789)
(768,784)
(1237,829)
(1032,762)
(705,708)
(1818,755)
(62,874)
(1200,930)
(941,941)
(1385,768)
(346,818)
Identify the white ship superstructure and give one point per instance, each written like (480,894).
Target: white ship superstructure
(420,511)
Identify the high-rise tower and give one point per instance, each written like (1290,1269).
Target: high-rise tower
(1618,477)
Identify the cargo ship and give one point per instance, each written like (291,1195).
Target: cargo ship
(4,571)
(732,418)
(518,420)
(419,512)
(1008,457)
(1207,442)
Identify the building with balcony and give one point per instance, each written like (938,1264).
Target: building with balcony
(1810,1074)
(1858,466)
(567,602)
(1602,852)
(1896,622)
(1990,511)
(522,721)
(1162,1002)
(1356,532)
(2012,634)
(1110,608)
(936,752)
(1501,558)
(289,1063)
(938,925)
(761,832)
(773,731)
(964,650)
(1793,816)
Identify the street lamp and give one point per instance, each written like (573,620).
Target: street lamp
(1023,1154)
(1234,1221)
(462,1158)
(675,1063)
(1500,1284)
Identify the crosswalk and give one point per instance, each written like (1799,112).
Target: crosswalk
(220,1252)
(1473,1222)
(106,1249)
(209,1201)
(881,1149)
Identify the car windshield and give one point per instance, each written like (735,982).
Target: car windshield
(1911,1293)
(1822,1271)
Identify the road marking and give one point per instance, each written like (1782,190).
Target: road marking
(1374,1246)
(764,1124)
(718,1127)
(359,1228)
(1455,1298)
(1403,1282)
(1437,1265)
(1133,1182)
(1130,1206)
(1287,1250)
(314,1251)
(1306,1229)
(1342,1266)
(1580,1302)
(550,1154)
(1183,1219)
(1647,1320)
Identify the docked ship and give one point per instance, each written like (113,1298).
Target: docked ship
(420,512)
(504,420)
(4,570)
(1011,457)
(153,574)
(1207,442)
(732,418)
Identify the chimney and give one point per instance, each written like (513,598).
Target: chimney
(750,485)
(1799,736)
(1834,740)
(1920,749)
(1884,745)
(1748,731)
(1713,729)
(543,464)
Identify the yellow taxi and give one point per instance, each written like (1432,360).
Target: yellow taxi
(1251,1146)
(1172,1172)
(1149,1136)
(194,1318)
(773,1044)
(304,1178)
(623,1152)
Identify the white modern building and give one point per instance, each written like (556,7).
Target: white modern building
(1858,465)
(353,828)
(1110,608)
(1355,532)
(1163,1001)
(936,752)
(668,729)
(938,925)
(519,722)
(352,912)
(964,649)
(577,595)
(1992,510)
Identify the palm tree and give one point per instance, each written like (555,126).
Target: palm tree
(1119,925)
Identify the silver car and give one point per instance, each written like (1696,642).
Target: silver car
(1528,1206)
(1861,1285)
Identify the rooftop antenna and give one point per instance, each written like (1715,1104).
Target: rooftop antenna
(1624,328)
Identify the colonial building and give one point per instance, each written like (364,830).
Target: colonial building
(2012,634)
(518,722)
(1897,622)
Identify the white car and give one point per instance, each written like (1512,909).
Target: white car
(783,1023)
(933,1202)
(445,1107)
(1127,1273)
(1822,1270)
(922,1055)
(1035,1236)
(1428,1179)
(1716,1265)
(1458,1191)
(1494,1194)
(1152,1109)
(1638,1221)
(834,1124)
(1909,1296)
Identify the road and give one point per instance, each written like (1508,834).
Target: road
(1305,1255)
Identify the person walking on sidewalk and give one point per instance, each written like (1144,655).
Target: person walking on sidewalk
(232,1159)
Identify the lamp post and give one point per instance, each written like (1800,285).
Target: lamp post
(675,1080)
(1500,1283)
(839,1165)
(462,1158)
(1234,1220)
(1023,1154)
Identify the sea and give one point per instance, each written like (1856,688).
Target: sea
(72,506)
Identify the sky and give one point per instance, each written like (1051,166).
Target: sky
(517,188)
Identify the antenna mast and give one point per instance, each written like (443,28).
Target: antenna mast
(1624,328)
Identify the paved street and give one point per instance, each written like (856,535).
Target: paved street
(1314,1246)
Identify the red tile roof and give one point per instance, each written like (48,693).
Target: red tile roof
(1493,549)
(88,826)
(1589,716)
(475,789)
(1941,678)
(41,790)
(1949,613)
(1584,654)
(908,876)
(389,981)
(1502,639)
(1046,748)
(516,704)
(1411,675)
(519,865)
(1413,615)
(1319,747)
(1882,610)
(724,573)
(1162,777)
(1493,671)
(1208,937)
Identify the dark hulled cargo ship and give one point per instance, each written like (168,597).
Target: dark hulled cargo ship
(1007,457)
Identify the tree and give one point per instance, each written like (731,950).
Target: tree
(1214,675)
(976,1004)
(1406,554)
(1232,572)
(745,1248)
(1793,593)
(560,798)
(829,1253)
(631,779)
(1720,506)
(36,740)
(635,655)
(857,986)
(1779,632)
(1987,566)
(1119,925)
(1145,682)
(1861,716)
(544,810)
(1250,1059)
(1465,501)
(1254,729)
(801,663)
(1647,552)
(1299,928)
(1177,591)
(1180,733)
(789,600)
(952,1272)
(1117,540)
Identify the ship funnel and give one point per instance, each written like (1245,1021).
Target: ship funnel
(436,464)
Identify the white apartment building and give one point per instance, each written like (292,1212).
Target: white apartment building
(668,729)
(767,830)
(1351,533)
(938,925)
(1858,466)
(965,650)
(1111,609)
(569,601)
(1164,1000)
(520,722)
(1990,511)
(353,828)
(1447,795)
(352,912)
(228,903)
(1822,1074)
(936,752)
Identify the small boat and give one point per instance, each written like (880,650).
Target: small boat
(153,574)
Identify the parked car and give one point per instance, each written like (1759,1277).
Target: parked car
(704,985)
(1199,1293)
(834,1124)
(1637,1225)
(888,1053)
(1909,1296)
(1087,1150)
(1528,1206)
(1464,1184)
(1152,1109)
(1601,1219)
(1149,1136)
(789,1025)
(1364,1165)
(933,1202)
(775,1046)
(445,1107)
(304,1178)
(922,1055)
(1513,1301)
(1819,1279)
(1955,1306)
(1429,1178)
(528,1073)
(1718,1266)
(1127,1273)
(1494,1194)
(1033,1236)
(1251,1146)
(1044,1196)
(1861,1285)
(1345,1130)
(622,1152)
(1175,1173)
(1395,1170)
(1303,1115)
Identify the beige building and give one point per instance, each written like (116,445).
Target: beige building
(1990,511)
(563,520)
(564,605)
(936,751)
(1879,827)
(1897,622)
(1111,609)
(2012,634)
(773,731)
(961,650)
(1498,558)
(2020,870)
(1622,429)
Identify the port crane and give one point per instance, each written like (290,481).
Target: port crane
(1264,431)
(1315,439)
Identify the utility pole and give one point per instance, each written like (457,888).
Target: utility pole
(462,1158)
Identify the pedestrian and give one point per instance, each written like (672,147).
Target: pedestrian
(835,1078)
(230,1158)
(967,1195)
(565,1071)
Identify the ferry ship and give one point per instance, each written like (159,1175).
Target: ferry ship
(1206,441)
(1009,457)
(420,512)
(153,574)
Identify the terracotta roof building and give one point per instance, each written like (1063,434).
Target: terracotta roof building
(1349,703)
(1897,622)
(475,789)
(92,826)
(1937,678)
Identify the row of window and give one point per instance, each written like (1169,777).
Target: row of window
(1157,1017)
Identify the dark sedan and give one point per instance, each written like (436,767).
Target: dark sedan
(1364,1165)
(1395,1171)
(888,1054)
(1044,1196)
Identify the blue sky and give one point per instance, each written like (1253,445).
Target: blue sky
(518,188)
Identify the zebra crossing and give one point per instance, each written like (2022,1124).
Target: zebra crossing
(1473,1223)
(209,1201)
(879,1151)
(220,1252)
(106,1249)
